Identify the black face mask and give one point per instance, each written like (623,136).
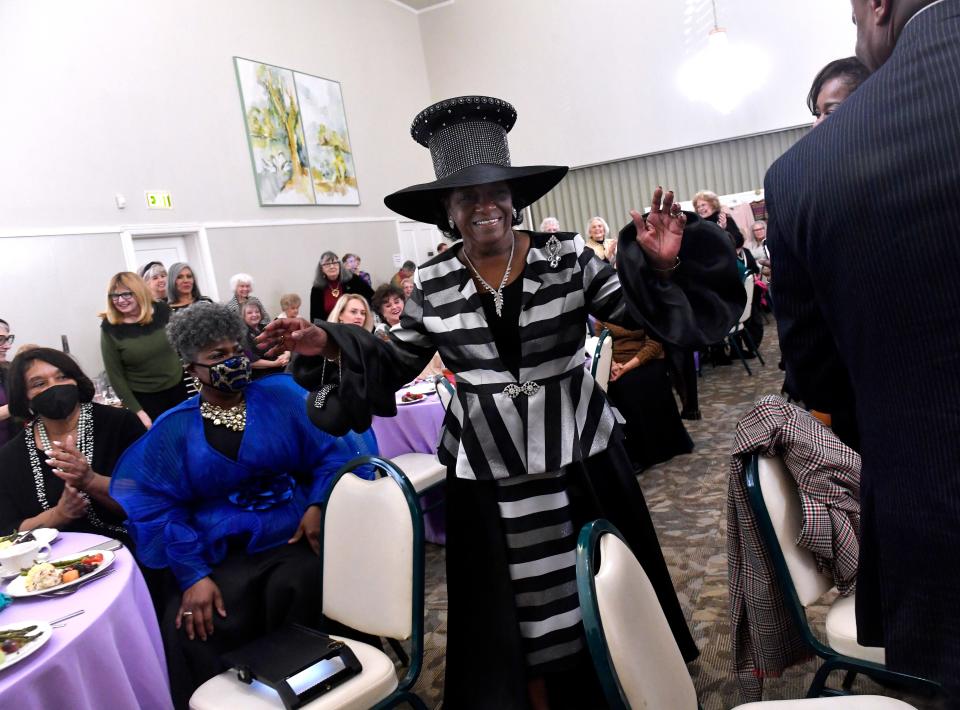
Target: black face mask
(56,402)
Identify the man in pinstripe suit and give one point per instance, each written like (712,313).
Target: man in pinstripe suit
(866,301)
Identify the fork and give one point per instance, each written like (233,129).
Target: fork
(72,590)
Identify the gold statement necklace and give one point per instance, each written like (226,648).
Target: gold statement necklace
(233,418)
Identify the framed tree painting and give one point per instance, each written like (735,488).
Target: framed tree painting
(296,130)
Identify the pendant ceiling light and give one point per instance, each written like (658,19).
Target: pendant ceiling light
(722,74)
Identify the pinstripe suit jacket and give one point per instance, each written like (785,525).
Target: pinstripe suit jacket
(487,433)
(863,232)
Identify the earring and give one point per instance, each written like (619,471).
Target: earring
(515,213)
(451,222)
(197,384)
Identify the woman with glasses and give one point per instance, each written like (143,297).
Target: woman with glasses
(331,281)
(143,369)
(6,342)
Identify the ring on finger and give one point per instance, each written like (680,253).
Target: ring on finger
(186,613)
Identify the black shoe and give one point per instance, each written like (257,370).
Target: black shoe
(693,415)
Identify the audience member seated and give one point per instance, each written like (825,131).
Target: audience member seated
(352,262)
(597,233)
(352,309)
(6,421)
(143,369)
(406,272)
(707,205)
(407,286)
(330,282)
(224,494)
(56,471)
(760,252)
(154,274)
(550,225)
(241,285)
(182,288)
(388,301)
(640,388)
(290,306)
(833,84)
(260,363)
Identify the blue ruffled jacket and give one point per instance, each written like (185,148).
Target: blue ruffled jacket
(185,499)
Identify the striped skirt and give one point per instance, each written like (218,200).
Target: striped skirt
(541,550)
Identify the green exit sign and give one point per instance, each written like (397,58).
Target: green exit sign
(159,200)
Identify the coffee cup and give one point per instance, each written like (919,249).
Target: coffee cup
(22,556)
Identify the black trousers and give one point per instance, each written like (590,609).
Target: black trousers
(261,592)
(156,403)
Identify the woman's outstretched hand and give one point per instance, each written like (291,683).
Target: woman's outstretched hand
(293,334)
(660,234)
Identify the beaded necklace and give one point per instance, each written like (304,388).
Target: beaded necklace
(84,444)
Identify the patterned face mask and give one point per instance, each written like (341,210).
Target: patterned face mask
(230,375)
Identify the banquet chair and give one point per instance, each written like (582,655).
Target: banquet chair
(635,655)
(373,559)
(775,503)
(445,391)
(601,358)
(749,285)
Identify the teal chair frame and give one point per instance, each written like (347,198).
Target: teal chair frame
(587,553)
(595,360)
(832,659)
(404,691)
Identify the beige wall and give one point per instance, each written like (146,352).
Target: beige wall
(595,80)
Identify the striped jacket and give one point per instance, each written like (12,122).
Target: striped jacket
(556,413)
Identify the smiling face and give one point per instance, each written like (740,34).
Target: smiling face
(354,312)
(184,283)
(157,283)
(124,301)
(482,213)
(597,232)
(352,263)
(391,309)
(243,291)
(704,208)
(251,315)
(41,375)
(759,231)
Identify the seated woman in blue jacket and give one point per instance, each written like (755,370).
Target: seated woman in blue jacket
(224,494)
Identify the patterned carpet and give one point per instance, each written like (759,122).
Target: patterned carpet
(687,498)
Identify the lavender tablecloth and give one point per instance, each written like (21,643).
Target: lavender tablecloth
(111,656)
(416,429)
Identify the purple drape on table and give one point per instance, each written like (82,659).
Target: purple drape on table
(416,429)
(111,656)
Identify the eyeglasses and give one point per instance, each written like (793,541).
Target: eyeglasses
(7,339)
(329,263)
(121,296)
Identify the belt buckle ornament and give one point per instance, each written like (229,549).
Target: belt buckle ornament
(553,251)
(528,388)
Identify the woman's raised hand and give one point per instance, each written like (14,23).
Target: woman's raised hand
(660,234)
(293,334)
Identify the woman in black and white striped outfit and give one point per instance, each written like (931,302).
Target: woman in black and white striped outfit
(533,450)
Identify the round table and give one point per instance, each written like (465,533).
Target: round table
(416,429)
(111,656)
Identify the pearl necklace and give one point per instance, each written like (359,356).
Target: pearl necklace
(84,445)
(234,418)
(497,292)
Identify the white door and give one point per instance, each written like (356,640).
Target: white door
(166,249)
(418,241)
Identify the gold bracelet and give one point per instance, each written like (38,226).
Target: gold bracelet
(665,271)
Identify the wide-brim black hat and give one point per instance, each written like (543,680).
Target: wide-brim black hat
(467,138)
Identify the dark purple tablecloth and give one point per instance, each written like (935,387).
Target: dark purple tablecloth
(416,429)
(110,656)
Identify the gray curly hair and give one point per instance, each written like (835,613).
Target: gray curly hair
(201,324)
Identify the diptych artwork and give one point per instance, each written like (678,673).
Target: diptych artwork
(297,133)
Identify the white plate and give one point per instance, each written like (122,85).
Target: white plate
(416,401)
(16,588)
(44,536)
(422,387)
(45,632)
